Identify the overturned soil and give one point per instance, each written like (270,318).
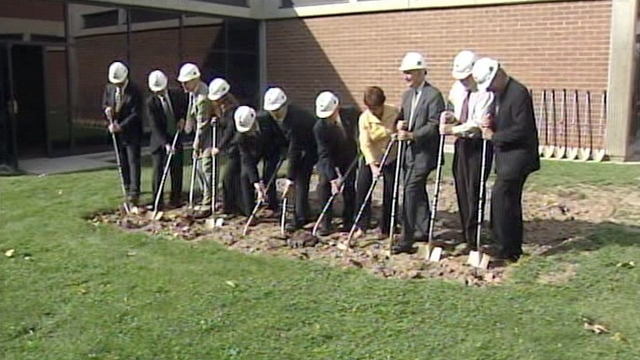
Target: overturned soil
(556,221)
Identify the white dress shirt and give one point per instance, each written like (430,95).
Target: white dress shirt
(480,103)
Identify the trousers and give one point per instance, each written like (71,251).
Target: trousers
(467,164)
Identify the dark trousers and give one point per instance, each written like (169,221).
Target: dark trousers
(364,182)
(348,196)
(467,163)
(301,184)
(269,166)
(415,209)
(247,200)
(232,197)
(506,214)
(159,158)
(130,162)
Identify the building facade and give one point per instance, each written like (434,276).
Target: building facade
(582,52)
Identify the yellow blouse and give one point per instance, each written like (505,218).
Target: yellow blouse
(375,133)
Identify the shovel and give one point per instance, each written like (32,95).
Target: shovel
(329,202)
(157,215)
(560,151)
(600,154)
(283,216)
(584,153)
(538,117)
(125,205)
(260,201)
(212,222)
(431,252)
(572,152)
(549,149)
(476,258)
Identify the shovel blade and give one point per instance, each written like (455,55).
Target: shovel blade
(435,254)
(158,215)
(430,252)
(478,259)
(212,223)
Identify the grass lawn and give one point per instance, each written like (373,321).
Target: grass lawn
(73,290)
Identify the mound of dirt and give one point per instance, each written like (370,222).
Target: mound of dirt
(555,221)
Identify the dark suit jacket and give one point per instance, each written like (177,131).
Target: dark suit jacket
(265,144)
(516,135)
(158,119)
(333,149)
(130,115)
(226,132)
(422,152)
(297,128)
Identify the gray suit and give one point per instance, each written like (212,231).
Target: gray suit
(420,157)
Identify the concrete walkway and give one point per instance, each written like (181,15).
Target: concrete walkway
(68,164)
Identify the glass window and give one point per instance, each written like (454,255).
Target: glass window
(142,16)
(101,19)
(243,3)
(295,3)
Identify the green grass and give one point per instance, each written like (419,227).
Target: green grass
(77,291)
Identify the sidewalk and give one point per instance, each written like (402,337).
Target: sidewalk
(48,166)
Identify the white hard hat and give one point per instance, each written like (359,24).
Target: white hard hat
(413,61)
(218,88)
(188,71)
(326,104)
(484,71)
(157,81)
(244,117)
(463,64)
(118,72)
(274,98)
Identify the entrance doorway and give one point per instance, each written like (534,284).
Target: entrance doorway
(27,80)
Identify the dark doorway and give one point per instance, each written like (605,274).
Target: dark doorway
(28,91)
(7,149)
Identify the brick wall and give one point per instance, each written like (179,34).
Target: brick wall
(551,45)
(32,9)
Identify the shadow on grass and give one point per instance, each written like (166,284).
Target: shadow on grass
(548,237)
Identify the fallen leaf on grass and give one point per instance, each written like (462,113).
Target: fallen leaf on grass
(9,253)
(626,265)
(230,283)
(591,325)
(618,337)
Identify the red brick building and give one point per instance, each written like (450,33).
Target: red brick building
(307,46)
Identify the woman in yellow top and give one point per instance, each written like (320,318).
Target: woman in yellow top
(376,125)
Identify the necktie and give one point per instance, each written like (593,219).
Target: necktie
(118,99)
(171,120)
(414,104)
(464,112)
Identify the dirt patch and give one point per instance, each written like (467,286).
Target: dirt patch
(560,277)
(555,221)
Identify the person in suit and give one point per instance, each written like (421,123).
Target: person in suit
(250,143)
(418,129)
(258,140)
(296,126)
(470,106)
(198,117)
(336,133)
(166,109)
(376,126)
(514,135)
(224,106)
(122,104)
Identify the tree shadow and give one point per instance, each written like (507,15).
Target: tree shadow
(549,237)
